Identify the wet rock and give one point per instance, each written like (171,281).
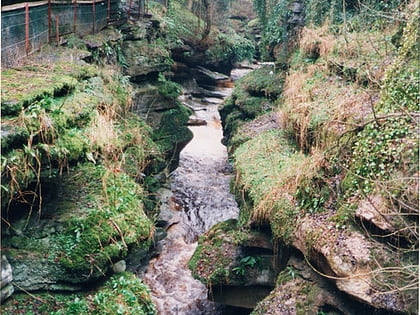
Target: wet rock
(32,272)
(6,286)
(211,100)
(137,259)
(208,77)
(300,290)
(196,122)
(150,104)
(202,92)
(194,58)
(227,257)
(119,266)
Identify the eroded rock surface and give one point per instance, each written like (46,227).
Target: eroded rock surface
(6,286)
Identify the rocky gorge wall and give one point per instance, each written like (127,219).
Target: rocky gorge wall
(311,136)
(90,131)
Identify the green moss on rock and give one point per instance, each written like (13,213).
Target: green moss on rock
(215,261)
(123,293)
(95,225)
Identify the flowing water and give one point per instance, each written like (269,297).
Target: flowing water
(199,198)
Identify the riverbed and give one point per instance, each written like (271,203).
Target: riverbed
(198,198)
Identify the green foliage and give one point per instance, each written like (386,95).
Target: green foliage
(179,24)
(245,263)
(168,89)
(357,14)
(231,48)
(318,11)
(123,293)
(261,8)
(110,220)
(273,16)
(389,145)
(286,275)
(214,261)
(380,150)
(172,131)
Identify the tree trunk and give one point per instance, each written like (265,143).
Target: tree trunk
(207,20)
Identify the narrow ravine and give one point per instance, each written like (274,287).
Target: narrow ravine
(198,198)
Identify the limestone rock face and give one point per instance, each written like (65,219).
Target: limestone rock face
(240,270)
(374,210)
(347,258)
(300,290)
(6,279)
(150,105)
(143,59)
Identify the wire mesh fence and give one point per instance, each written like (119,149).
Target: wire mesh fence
(26,27)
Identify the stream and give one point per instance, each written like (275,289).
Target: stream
(198,198)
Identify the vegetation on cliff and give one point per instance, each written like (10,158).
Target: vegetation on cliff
(121,294)
(336,175)
(80,155)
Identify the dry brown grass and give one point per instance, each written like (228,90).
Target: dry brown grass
(316,42)
(318,106)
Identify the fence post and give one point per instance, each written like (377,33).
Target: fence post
(74,16)
(109,11)
(27,28)
(49,21)
(93,16)
(129,9)
(57,30)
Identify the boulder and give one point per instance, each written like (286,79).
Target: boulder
(236,264)
(208,77)
(6,286)
(348,257)
(119,266)
(375,211)
(300,290)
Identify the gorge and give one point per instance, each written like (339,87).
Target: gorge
(264,164)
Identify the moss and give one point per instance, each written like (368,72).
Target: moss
(169,89)
(173,134)
(260,166)
(96,224)
(231,48)
(123,292)
(12,137)
(109,220)
(265,81)
(28,84)
(253,96)
(214,260)
(284,221)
